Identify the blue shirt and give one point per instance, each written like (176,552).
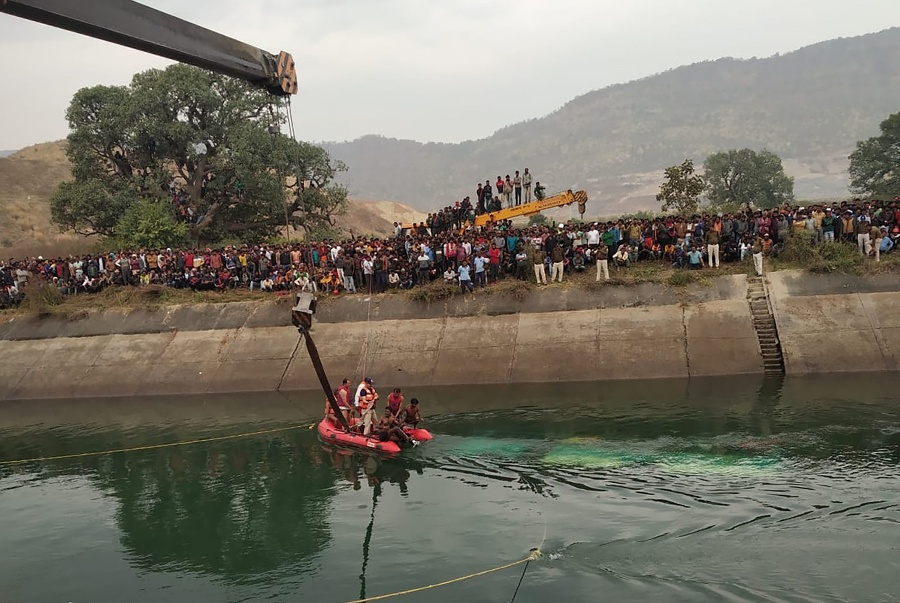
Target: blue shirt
(463,273)
(694,257)
(479,264)
(886,244)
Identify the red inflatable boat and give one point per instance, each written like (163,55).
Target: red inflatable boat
(339,437)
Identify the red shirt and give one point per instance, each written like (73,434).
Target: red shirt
(494,255)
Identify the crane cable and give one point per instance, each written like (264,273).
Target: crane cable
(293,134)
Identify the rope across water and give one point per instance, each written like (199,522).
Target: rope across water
(533,555)
(77,455)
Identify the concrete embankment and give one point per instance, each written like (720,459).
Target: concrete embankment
(646,331)
(837,323)
(552,335)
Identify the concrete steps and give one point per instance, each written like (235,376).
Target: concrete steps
(766,329)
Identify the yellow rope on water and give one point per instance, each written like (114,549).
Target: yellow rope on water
(153,446)
(535,554)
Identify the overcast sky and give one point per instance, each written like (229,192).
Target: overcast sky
(430,70)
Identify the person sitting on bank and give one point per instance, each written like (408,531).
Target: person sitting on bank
(388,430)
(695,258)
(411,415)
(621,257)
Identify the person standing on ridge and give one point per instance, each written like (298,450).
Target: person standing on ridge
(517,184)
(526,183)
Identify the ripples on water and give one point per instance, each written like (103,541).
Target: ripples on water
(649,500)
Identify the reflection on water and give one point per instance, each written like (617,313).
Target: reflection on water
(673,491)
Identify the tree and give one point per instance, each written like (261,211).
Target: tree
(742,176)
(681,189)
(537,220)
(150,225)
(875,164)
(214,138)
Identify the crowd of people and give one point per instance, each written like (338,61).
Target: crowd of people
(445,249)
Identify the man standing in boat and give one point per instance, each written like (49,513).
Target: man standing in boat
(365,399)
(342,394)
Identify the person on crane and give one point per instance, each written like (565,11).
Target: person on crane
(365,399)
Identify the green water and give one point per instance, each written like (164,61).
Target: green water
(720,490)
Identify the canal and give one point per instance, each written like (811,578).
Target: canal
(703,490)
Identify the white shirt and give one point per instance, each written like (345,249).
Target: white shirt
(593,237)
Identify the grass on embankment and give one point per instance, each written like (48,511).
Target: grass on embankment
(47,300)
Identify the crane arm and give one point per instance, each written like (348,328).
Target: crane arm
(137,26)
(534,207)
(527,209)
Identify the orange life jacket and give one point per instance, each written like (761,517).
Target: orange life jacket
(367,399)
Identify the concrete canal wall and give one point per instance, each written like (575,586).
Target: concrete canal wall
(836,323)
(646,331)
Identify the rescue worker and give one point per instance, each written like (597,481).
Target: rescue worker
(388,429)
(365,399)
(411,415)
(342,395)
(395,401)
(330,417)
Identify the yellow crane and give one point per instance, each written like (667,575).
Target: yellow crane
(528,209)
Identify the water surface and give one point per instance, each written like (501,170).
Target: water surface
(711,490)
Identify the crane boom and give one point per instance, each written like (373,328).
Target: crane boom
(137,26)
(527,209)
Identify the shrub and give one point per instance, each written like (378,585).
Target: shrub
(514,288)
(823,258)
(40,299)
(436,291)
(682,278)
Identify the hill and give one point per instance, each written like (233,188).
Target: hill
(30,176)
(810,106)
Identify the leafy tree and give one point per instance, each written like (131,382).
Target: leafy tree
(537,219)
(681,189)
(875,164)
(736,177)
(150,225)
(215,138)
